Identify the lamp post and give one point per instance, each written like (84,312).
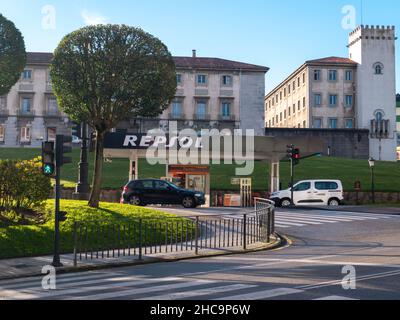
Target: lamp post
(371,162)
(82,188)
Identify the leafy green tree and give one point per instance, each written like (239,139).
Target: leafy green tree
(12,55)
(107,73)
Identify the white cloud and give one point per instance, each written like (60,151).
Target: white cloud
(93,18)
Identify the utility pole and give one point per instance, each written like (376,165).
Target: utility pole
(82,187)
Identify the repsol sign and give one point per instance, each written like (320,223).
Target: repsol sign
(145,141)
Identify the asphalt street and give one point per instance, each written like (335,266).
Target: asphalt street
(326,246)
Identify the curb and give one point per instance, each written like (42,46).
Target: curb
(280,242)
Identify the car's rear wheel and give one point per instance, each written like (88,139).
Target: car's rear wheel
(188,202)
(334,203)
(286,203)
(135,201)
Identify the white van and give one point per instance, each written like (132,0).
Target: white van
(311,193)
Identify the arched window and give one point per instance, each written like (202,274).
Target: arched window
(378,68)
(379,116)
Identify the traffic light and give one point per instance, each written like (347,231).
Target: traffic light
(62,216)
(48,157)
(62,149)
(290,149)
(296,156)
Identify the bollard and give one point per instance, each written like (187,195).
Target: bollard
(244,231)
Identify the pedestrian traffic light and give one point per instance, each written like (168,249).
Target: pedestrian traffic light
(62,149)
(290,151)
(48,157)
(296,156)
(62,216)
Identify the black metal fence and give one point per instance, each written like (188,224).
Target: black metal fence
(143,237)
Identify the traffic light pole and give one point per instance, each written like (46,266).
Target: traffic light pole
(56,258)
(291,182)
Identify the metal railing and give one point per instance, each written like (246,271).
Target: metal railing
(146,237)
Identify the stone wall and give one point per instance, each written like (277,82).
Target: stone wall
(342,143)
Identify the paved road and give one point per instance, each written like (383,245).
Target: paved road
(310,269)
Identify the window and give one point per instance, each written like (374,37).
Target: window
(26,104)
(201,110)
(333,123)
(284,92)
(25,134)
(226,109)
(317,75)
(3,102)
(227,80)
(304,78)
(294,109)
(294,85)
(179,79)
(289,88)
(284,115)
(161,185)
(52,106)
(201,79)
(349,123)
(27,75)
(298,105)
(147,184)
(379,116)
(302,186)
(378,67)
(176,109)
(298,82)
(304,102)
(2,129)
(317,123)
(349,101)
(304,124)
(280,95)
(289,112)
(349,75)
(51,134)
(332,75)
(317,100)
(326,186)
(333,100)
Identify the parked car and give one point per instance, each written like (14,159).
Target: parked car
(76,140)
(152,191)
(311,193)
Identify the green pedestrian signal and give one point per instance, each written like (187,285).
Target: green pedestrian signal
(48,159)
(48,169)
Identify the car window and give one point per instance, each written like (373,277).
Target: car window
(148,184)
(161,185)
(325,185)
(136,185)
(303,186)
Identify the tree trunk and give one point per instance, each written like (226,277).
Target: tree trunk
(98,171)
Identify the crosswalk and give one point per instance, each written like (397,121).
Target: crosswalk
(111,286)
(290,219)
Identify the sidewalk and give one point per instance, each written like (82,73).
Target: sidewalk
(28,267)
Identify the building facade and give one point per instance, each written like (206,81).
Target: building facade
(212,93)
(344,93)
(398,118)
(320,94)
(29,113)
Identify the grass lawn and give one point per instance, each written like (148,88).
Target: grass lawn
(34,240)
(348,170)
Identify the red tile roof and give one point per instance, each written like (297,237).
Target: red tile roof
(180,62)
(215,63)
(332,60)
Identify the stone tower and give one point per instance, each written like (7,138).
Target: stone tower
(373,48)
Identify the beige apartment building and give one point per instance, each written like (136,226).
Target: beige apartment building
(212,93)
(29,114)
(319,94)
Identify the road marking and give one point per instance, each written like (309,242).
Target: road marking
(136,291)
(39,294)
(199,293)
(306,219)
(298,220)
(334,298)
(283,222)
(266,294)
(37,284)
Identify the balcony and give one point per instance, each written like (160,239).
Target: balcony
(227,118)
(176,116)
(52,113)
(26,114)
(201,117)
(226,93)
(3,112)
(380,129)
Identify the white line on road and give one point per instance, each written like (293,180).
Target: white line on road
(199,293)
(266,294)
(136,291)
(334,298)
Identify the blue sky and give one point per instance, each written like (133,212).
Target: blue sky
(278,34)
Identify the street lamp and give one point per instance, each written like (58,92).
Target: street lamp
(371,162)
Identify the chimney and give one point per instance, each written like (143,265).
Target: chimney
(194,53)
